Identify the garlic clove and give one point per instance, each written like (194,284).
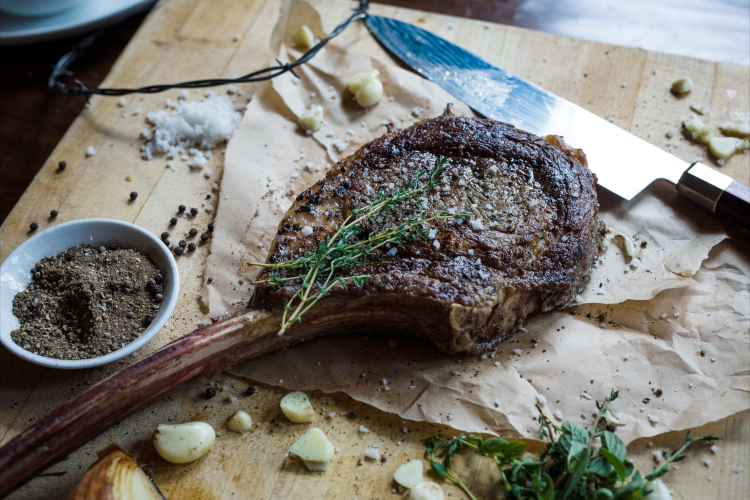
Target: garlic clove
(360,80)
(183,443)
(682,86)
(409,474)
(297,407)
(722,147)
(314,448)
(370,94)
(735,130)
(697,129)
(240,422)
(426,490)
(304,39)
(115,476)
(312,118)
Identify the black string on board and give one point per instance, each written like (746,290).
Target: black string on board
(61,68)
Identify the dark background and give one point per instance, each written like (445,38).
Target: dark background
(33,119)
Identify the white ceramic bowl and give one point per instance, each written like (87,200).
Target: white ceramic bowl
(15,276)
(37,7)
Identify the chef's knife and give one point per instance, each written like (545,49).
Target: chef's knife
(622,162)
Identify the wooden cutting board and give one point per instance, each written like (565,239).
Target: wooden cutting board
(190,39)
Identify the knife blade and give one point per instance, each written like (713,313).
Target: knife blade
(623,163)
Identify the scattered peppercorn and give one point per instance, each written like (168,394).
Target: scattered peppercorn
(193,231)
(352,414)
(61,165)
(210,392)
(179,250)
(69,256)
(181,208)
(194,211)
(251,390)
(173,221)
(204,237)
(703,353)
(113,246)
(164,235)
(158,297)
(611,428)
(383,458)
(53,213)
(133,195)
(147,320)
(159,278)
(210,227)
(166,242)
(33,226)
(658,393)
(183,243)
(191,247)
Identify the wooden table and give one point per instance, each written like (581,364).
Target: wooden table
(186,39)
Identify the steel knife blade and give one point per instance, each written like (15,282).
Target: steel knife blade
(623,163)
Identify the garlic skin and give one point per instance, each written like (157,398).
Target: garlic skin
(183,443)
(297,407)
(366,87)
(115,476)
(304,39)
(315,450)
(426,490)
(311,119)
(240,422)
(410,474)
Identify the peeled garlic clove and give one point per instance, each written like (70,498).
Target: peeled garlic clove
(240,422)
(426,490)
(370,94)
(115,476)
(682,86)
(183,443)
(312,118)
(360,80)
(722,147)
(314,448)
(735,130)
(304,39)
(297,408)
(409,474)
(697,129)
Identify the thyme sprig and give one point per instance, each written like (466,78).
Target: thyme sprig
(342,250)
(569,468)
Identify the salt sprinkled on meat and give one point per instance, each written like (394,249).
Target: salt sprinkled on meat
(193,124)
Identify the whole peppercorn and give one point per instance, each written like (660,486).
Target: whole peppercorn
(193,231)
(181,208)
(194,211)
(352,414)
(133,195)
(69,255)
(210,392)
(183,243)
(210,227)
(147,320)
(159,278)
(53,213)
(191,247)
(113,246)
(611,428)
(164,235)
(61,165)
(166,242)
(173,221)
(204,237)
(179,250)
(158,297)
(33,226)
(251,390)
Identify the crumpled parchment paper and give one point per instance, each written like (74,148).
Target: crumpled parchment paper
(566,356)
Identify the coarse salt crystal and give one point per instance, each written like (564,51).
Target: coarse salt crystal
(714,448)
(90,151)
(122,102)
(653,419)
(541,399)
(364,429)
(436,244)
(477,225)
(372,453)
(558,415)
(307,230)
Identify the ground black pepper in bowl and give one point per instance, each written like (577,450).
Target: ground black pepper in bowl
(87,302)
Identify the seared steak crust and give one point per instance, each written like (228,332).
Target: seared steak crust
(530,244)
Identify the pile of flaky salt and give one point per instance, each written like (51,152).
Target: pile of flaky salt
(191,129)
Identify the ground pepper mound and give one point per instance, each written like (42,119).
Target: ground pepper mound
(87,302)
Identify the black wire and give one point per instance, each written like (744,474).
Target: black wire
(61,68)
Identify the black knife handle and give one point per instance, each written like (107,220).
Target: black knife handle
(717,192)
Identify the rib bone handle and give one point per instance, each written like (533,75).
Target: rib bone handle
(209,349)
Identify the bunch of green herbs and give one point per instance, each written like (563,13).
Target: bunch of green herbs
(319,270)
(576,463)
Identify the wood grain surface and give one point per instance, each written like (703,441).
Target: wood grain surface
(185,39)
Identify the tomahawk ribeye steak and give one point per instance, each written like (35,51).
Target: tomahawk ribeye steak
(529,245)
